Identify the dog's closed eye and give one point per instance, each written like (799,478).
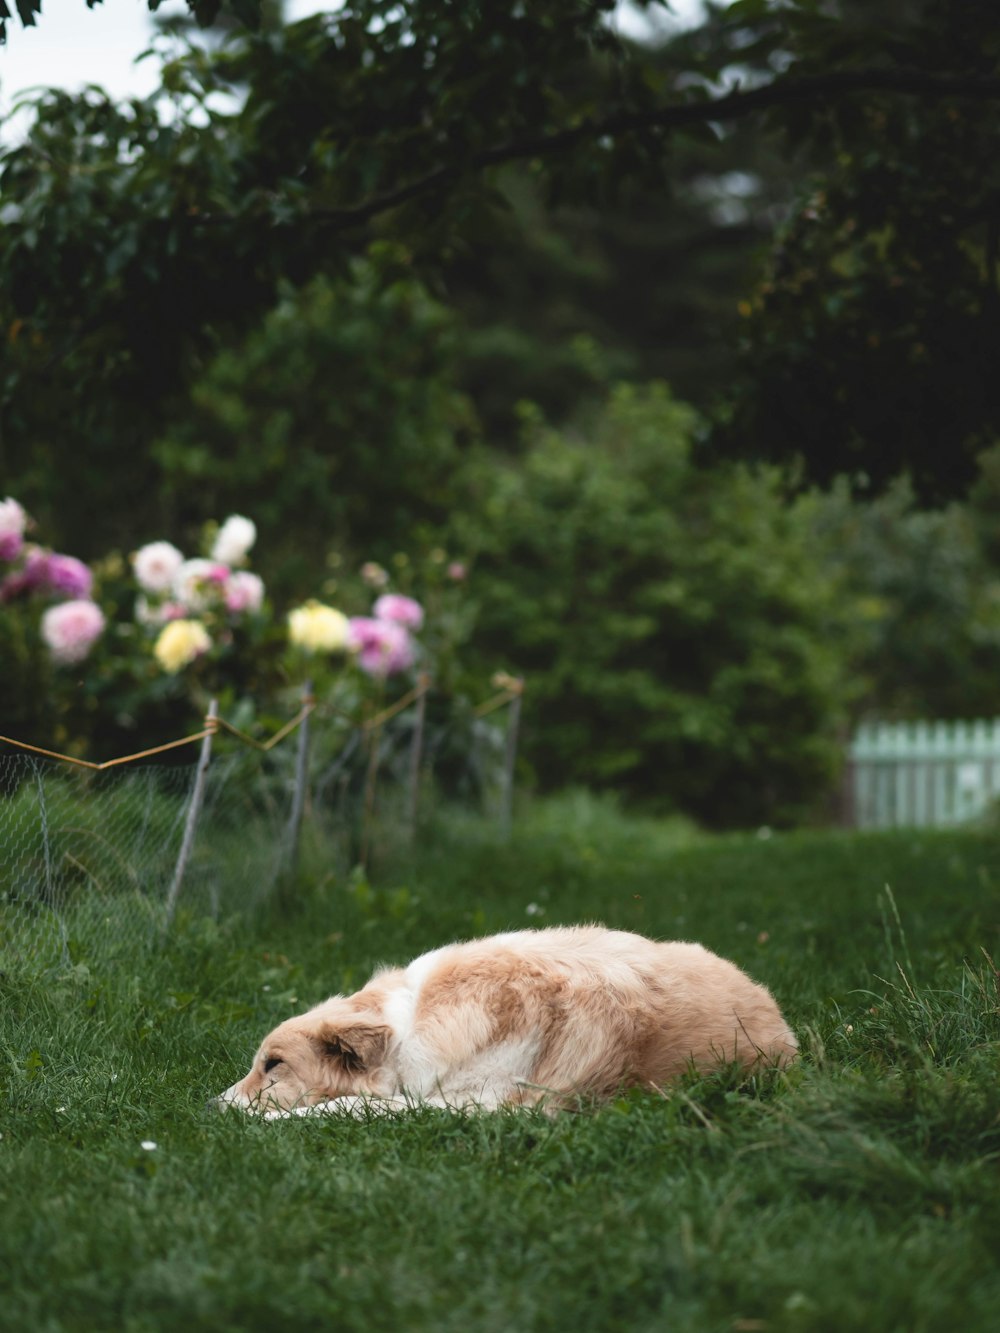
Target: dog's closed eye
(272,1063)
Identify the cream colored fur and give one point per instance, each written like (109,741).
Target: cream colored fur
(534,1016)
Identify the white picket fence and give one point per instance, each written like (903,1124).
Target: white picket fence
(917,774)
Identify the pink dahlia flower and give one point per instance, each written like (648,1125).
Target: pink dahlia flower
(197,583)
(68,577)
(400,610)
(383,647)
(10,545)
(13,521)
(71,628)
(43,571)
(244,592)
(35,573)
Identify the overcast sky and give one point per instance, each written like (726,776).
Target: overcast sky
(73,45)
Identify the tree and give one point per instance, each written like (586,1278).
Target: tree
(557,300)
(869,342)
(136,243)
(205,12)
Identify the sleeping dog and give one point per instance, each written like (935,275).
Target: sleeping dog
(526,1018)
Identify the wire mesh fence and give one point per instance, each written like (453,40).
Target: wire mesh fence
(90,858)
(98,861)
(84,854)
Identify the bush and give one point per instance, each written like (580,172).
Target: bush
(675,625)
(47,620)
(334,424)
(127,655)
(925,585)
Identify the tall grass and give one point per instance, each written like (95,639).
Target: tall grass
(858,1191)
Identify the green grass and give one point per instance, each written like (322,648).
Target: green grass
(860,1191)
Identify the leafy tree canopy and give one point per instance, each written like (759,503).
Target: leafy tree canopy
(205,12)
(869,343)
(137,240)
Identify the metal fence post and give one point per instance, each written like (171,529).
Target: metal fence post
(301,784)
(371,781)
(510,759)
(416,757)
(194,809)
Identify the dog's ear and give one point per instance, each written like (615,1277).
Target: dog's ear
(356,1046)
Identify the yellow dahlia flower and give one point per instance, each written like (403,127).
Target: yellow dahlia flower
(180,642)
(318,628)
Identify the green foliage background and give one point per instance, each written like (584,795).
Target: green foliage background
(336,423)
(674,623)
(398,278)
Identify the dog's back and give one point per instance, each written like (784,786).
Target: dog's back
(584,1010)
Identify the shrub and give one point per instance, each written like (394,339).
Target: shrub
(674,624)
(138,666)
(926,592)
(334,423)
(48,624)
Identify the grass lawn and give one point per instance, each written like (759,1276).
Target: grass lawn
(861,1191)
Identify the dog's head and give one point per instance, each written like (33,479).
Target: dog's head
(335,1050)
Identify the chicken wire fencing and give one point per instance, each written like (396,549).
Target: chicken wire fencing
(90,860)
(101,861)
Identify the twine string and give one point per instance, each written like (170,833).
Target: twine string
(213,725)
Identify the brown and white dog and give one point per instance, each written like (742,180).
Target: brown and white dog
(531,1017)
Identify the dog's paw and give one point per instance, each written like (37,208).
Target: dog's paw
(321,1108)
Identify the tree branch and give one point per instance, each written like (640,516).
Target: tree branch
(732,106)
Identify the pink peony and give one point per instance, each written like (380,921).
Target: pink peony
(68,577)
(10,545)
(400,610)
(70,629)
(196,582)
(44,571)
(244,592)
(384,647)
(13,521)
(35,573)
